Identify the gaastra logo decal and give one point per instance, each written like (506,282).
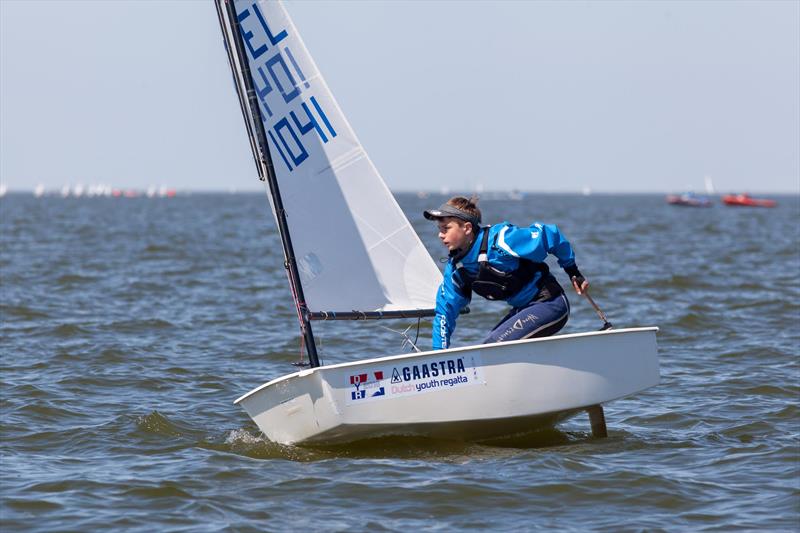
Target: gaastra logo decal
(421,376)
(396,376)
(430,370)
(366,389)
(435,375)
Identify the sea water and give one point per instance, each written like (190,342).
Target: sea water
(130,325)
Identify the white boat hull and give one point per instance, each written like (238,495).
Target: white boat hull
(472,393)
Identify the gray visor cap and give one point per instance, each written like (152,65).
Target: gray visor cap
(446,210)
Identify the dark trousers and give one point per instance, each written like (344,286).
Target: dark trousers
(537,319)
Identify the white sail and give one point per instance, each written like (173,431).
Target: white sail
(709,185)
(354,247)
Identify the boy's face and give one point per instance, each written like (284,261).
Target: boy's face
(454,233)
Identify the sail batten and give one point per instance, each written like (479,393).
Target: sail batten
(354,248)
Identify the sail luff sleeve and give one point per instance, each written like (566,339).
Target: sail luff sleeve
(237,85)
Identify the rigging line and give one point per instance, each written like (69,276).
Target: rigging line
(407,339)
(300,362)
(298,305)
(302,350)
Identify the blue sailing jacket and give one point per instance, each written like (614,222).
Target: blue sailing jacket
(507,244)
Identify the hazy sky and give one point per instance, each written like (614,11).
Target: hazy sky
(548,96)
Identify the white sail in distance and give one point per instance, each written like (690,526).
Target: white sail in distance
(354,247)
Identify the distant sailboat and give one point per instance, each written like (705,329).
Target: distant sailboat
(690,199)
(350,253)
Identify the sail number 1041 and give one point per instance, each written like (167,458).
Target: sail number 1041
(293,116)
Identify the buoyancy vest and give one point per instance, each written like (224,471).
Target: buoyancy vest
(494,284)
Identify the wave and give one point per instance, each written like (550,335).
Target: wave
(23,312)
(139,326)
(69,331)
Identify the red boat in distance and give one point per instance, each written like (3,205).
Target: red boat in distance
(747,201)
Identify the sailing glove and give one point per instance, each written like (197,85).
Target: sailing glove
(573,272)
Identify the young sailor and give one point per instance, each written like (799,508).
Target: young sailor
(501,262)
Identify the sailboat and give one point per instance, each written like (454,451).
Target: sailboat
(690,199)
(351,254)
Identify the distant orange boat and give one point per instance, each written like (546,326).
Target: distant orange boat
(747,201)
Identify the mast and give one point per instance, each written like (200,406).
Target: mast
(266,171)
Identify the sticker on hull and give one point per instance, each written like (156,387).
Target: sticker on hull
(418,377)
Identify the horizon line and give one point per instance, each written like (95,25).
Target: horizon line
(56,190)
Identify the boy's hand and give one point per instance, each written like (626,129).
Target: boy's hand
(580,284)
